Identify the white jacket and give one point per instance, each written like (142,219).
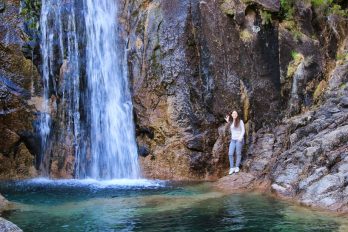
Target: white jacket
(237,133)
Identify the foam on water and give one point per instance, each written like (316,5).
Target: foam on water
(93,183)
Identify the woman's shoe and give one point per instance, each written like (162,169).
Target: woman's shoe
(231,171)
(236,170)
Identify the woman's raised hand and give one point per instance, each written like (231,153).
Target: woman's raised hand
(227,118)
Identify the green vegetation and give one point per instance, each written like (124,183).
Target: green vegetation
(30,10)
(227,8)
(292,27)
(245,36)
(287,9)
(322,7)
(296,34)
(342,56)
(328,7)
(297,58)
(266,17)
(337,10)
(343,85)
(319,90)
(321,3)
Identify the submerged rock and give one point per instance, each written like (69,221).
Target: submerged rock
(7,226)
(236,182)
(3,203)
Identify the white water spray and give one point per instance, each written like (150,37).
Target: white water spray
(84,72)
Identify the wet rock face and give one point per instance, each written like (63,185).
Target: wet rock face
(306,156)
(301,69)
(19,90)
(187,64)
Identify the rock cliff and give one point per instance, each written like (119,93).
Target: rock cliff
(283,67)
(20,90)
(191,62)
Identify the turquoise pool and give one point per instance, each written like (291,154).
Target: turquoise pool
(143,205)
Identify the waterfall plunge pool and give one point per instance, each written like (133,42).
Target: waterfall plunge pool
(147,205)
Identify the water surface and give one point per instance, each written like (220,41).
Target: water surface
(143,205)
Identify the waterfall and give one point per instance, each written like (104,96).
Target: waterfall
(87,110)
(60,73)
(114,151)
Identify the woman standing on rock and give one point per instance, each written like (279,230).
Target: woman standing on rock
(237,138)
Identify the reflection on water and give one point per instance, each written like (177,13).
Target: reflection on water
(153,206)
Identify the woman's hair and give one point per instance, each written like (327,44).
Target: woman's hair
(237,121)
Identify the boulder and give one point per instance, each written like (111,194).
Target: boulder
(237,182)
(7,226)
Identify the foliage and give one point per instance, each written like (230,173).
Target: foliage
(342,56)
(287,9)
(227,7)
(328,7)
(322,7)
(297,58)
(343,85)
(321,3)
(30,10)
(245,36)
(297,34)
(289,24)
(337,10)
(266,17)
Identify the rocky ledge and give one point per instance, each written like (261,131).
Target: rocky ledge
(241,182)
(305,158)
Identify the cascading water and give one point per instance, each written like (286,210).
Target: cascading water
(114,152)
(59,47)
(87,105)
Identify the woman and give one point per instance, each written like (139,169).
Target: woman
(237,138)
